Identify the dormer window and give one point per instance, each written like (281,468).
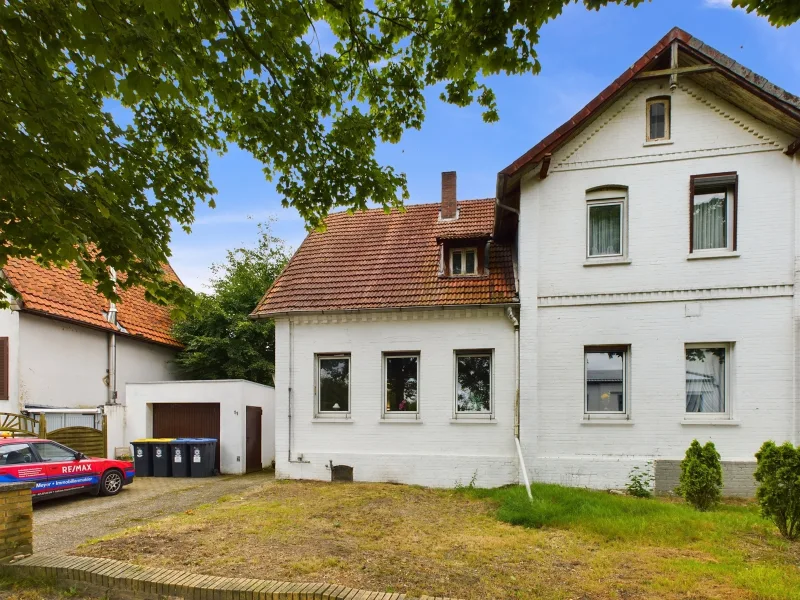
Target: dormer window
(463,261)
(658,119)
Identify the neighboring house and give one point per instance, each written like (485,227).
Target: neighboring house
(657,299)
(61,345)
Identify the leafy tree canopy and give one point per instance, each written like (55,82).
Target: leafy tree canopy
(221,341)
(309,87)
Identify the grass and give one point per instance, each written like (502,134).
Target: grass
(473,543)
(13,587)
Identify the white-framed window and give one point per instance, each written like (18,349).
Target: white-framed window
(605,378)
(463,261)
(658,119)
(401,385)
(333,385)
(474,383)
(606,222)
(708,379)
(712,212)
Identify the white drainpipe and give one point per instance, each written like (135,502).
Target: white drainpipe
(515,322)
(112,347)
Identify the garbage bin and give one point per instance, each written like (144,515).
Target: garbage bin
(179,457)
(162,463)
(202,452)
(142,457)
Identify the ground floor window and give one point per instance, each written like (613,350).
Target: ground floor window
(401,375)
(707,374)
(605,379)
(333,384)
(474,382)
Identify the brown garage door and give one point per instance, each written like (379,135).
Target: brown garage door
(187,420)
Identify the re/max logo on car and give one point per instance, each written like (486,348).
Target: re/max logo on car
(76,469)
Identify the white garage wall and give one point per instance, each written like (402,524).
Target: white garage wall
(233,396)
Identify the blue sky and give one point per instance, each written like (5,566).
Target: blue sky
(581,53)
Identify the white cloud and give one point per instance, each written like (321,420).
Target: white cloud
(718,3)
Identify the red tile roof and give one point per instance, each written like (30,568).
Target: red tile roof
(378,260)
(61,294)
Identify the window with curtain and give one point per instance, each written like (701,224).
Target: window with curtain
(658,119)
(706,378)
(605,222)
(713,212)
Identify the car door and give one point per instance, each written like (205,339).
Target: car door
(19,463)
(64,472)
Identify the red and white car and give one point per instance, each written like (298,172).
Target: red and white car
(58,471)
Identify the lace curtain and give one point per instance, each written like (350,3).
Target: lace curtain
(604,230)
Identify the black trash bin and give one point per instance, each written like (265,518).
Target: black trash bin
(142,457)
(162,463)
(202,452)
(179,457)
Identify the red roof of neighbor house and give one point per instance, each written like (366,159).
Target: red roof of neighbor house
(60,293)
(377,260)
(728,78)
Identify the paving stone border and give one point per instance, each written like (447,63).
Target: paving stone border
(121,579)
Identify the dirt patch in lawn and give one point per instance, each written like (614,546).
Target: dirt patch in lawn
(413,540)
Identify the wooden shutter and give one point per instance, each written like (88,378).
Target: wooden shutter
(3,368)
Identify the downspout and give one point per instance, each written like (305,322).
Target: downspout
(291,392)
(515,322)
(112,346)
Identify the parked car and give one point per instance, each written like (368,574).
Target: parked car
(59,471)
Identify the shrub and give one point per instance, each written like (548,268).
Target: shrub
(640,481)
(701,476)
(778,475)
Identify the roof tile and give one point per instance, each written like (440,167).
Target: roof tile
(60,293)
(374,260)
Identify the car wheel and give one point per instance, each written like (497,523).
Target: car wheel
(111,483)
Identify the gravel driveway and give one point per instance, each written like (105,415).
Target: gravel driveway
(60,525)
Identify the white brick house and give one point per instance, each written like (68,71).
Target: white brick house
(655,275)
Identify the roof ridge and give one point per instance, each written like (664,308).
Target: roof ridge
(407,207)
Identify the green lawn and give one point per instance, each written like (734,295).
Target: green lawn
(473,543)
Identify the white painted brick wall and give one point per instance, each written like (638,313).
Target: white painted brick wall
(436,452)
(709,136)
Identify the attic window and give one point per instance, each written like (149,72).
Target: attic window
(463,261)
(658,117)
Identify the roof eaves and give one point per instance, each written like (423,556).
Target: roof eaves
(339,311)
(769,92)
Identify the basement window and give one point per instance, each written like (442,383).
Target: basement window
(658,118)
(463,261)
(333,384)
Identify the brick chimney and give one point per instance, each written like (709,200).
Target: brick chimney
(449,204)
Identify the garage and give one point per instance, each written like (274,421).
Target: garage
(172,420)
(238,413)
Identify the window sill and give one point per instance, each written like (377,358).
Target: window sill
(402,421)
(473,421)
(620,421)
(712,422)
(331,420)
(658,143)
(604,262)
(701,254)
